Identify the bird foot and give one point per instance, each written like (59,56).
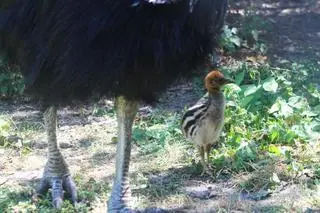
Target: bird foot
(207,170)
(204,171)
(58,185)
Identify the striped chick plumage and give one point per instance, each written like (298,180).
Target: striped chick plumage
(203,122)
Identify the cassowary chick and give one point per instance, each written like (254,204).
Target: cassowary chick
(203,122)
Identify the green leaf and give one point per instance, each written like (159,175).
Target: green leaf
(274,134)
(274,108)
(234,30)
(246,101)
(297,102)
(282,107)
(300,131)
(250,89)
(231,104)
(285,109)
(239,77)
(316,109)
(274,149)
(138,134)
(233,87)
(316,128)
(309,113)
(270,85)
(235,40)
(289,137)
(4,124)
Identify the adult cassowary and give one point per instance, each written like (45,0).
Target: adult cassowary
(128,49)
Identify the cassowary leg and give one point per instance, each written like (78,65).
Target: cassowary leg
(56,173)
(121,194)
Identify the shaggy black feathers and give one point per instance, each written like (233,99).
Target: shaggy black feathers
(69,49)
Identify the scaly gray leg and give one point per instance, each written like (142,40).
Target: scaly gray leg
(121,194)
(56,172)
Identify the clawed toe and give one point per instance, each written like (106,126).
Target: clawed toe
(207,171)
(58,185)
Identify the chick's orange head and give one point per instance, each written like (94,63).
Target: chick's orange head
(215,74)
(212,82)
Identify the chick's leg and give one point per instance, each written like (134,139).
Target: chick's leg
(207,149)
(202,160)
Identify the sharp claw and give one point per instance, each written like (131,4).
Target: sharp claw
(70,188)
(57,203)
(44,186)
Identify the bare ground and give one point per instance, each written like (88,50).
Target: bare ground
(166,180)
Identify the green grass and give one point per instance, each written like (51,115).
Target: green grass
(14,135)
(153,133)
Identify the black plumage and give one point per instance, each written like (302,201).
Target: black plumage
(68,49)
